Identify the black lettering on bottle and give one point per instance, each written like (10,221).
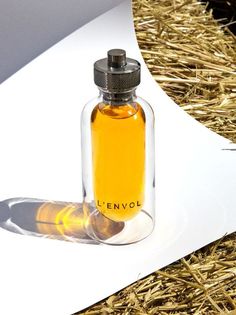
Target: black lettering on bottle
(124,206)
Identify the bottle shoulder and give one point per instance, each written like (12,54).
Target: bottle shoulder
(117,110)
(91,103)
(143,103)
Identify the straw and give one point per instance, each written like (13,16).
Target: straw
(192,57)
(201,283)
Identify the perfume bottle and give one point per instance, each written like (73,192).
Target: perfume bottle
(118,152)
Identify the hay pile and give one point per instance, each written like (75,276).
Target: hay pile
(192,57)
(202,283)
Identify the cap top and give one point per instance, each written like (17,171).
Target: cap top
(116,58)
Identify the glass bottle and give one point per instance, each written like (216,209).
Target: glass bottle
(118,154)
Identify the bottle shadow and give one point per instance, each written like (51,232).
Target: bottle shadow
(59,220)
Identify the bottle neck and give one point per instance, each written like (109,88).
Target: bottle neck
(117,98)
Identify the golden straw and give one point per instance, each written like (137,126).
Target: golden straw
(192,57)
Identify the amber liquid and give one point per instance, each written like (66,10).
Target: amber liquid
(118,150)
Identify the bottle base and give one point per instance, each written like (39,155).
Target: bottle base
(107,231)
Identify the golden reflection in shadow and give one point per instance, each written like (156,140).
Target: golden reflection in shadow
(59,220)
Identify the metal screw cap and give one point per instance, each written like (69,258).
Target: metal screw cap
(116,73)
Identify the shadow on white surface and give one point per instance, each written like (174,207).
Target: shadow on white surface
(65,221)
(29,28)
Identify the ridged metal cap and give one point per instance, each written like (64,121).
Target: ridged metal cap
(116,73)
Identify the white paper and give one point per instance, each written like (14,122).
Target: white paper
(40,157)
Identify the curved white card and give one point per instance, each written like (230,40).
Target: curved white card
(40,157)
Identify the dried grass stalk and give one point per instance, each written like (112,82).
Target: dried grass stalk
(192,57)
(201,283)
